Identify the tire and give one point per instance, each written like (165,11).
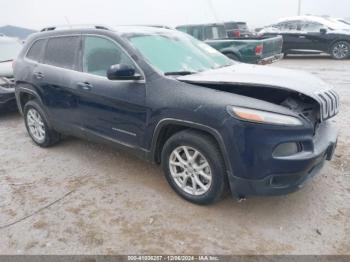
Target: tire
(232,56)
(208,153)
(37,125)
(340,50)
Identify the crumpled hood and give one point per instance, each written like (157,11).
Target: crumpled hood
(6,69)
(265,76)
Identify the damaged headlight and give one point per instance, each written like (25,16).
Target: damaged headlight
(264,117)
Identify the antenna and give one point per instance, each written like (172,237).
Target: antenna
(299,7)
(211,6)
(68,22)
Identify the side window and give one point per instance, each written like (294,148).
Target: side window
(208,33)
(197,33)
(35,50)
(288,27)
(100,54)
(279,26)
(312,27)
(62,52)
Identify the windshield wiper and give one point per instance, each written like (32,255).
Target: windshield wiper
(180,73)
(8,60)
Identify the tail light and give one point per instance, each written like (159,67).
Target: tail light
(237,34)
(259,49)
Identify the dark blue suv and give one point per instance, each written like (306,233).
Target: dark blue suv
(213,124)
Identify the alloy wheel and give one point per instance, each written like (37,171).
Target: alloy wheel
(190,170)
(36,126)
(341,50)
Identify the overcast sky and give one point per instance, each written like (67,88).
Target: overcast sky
(40,13)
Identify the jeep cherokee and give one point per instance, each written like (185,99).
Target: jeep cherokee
(212,123)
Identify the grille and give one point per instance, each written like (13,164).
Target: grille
(329,101)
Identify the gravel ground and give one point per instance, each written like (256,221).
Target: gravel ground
(84,198)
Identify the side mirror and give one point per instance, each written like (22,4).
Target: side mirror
(323,31)
(122,72)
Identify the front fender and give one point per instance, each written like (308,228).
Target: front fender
(183,123)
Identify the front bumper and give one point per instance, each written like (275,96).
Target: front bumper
(260,173)
(270,59)
(279,184)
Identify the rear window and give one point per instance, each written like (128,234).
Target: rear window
(35,51)
(215,32)
(235,26)
(62,52)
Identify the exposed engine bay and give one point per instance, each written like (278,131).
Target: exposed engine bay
(303,105)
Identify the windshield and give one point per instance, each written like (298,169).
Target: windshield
(176,52)
(9,50)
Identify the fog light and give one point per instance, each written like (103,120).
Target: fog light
(287,149)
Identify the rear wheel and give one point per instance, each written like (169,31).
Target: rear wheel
(37,125)
(194,167)
(340,50)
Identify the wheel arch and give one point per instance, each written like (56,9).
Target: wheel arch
(168,127)
(23,95)
(233,52)
(336,41)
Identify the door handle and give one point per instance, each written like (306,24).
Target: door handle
(302,36)
(38,75)
(84,86)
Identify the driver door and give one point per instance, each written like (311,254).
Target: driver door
(294,38)
(111,109)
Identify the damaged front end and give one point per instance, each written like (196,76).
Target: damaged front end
(271,161)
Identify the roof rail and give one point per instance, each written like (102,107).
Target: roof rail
(52,28)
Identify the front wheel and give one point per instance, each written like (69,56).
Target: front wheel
(194,167)
(340,50)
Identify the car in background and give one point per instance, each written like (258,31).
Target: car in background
(9,49)
(310,35)
(253,50)
(155,25)
(237,29)
(341,20)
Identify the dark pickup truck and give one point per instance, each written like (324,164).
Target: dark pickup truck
(237,29)
(252,50)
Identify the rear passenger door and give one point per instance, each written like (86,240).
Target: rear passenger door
(112,109)
(54,77)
